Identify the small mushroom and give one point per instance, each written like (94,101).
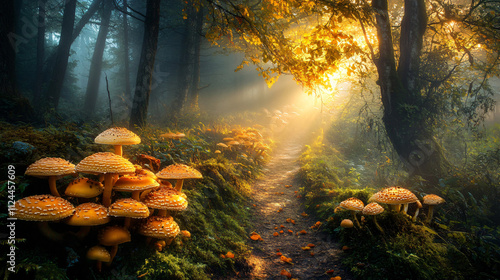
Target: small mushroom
(346,223)
(51,168)
(164,199)
(432,200)
(160,227)
(354,205)
(108,164)
(373,209)
(99,254)
(87,215)
(117,136)
(84,188)
(419,205)
(178,172)
(128,208)
(135,184)
(114,236)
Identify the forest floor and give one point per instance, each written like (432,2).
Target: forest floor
(275,199)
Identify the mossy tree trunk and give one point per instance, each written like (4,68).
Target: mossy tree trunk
(405,117)
(138,116)
(194,89)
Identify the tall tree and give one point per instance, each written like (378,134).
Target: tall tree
(40,51)
(96,64)
(126,53)
(185,71)
(56,83)
(139,113)
(194,89)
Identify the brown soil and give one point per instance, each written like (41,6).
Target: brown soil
(275,199)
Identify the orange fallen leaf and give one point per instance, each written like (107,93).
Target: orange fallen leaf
(275,227)
(331,271)
(303,232)
(286,273)
(279,254)
(299,196)
(312,254)
(310,245)
(292,221)
(336,278)
(281,231)
(275,234)
(255,236)
(277,250)
(287,186)
(279,210)
(285,259)
(306,248)
(345,248)
(222,256)
(282,193)
(304,214)
(295,191)
(290,231)
(230,255)
(282,226)
(254,205)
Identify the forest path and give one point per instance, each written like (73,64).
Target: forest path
(275,199)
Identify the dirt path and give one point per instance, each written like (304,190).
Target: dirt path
(274,203)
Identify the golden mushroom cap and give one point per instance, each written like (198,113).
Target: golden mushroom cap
(145,172)
(159,227)
(372,209)
(98,253)
(50,167)
(394,195)
(166,198)
(178,171)
(105,162)
(432,199)
(84,187)
(117,136)
(43,207)
(114,235)
(135,183)
(353,204)
(346,223)
(128,207)
(169,135)
(89,214)
(222,145)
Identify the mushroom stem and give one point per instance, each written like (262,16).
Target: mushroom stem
(83,232)
(355,219)
(169,240)
(99,266)
(431,213)
(178,184)
(126,224)
(108,188)
(49,232)
(118,150)
(416,214)
(377,225)
(136,195)
(113,252)
(162,212)
(52,185)
(395,207)
(405,207)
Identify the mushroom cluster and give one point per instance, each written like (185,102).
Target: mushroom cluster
(246,140)
(114,174)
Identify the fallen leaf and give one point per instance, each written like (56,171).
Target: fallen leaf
(222,256)
(331,271)
(311,245)
(279,254)
(290,231)
(336,278)
(275,234)
(286,273)
(230,255)
(306,248)
(255,236)
(285,259)
(303,232)
(281,231)
(304,214)
(282,226)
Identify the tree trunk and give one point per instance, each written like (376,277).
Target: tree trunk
(40,52)
(404,118)
(96,65)
(139,113)
(61,62)
(126,56)
(194,89)
(185,65)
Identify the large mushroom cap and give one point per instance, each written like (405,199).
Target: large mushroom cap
(178,171)
(346,223)
(135,183)
(102,163)
(117,136)
(98,253)
(159,227)
(128,207)
(432,199)
(114,235)
(166,198)
(89,214)
(84,187)
(394,195)
(42,208)
(50,167)
(353,204)
(373,209)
